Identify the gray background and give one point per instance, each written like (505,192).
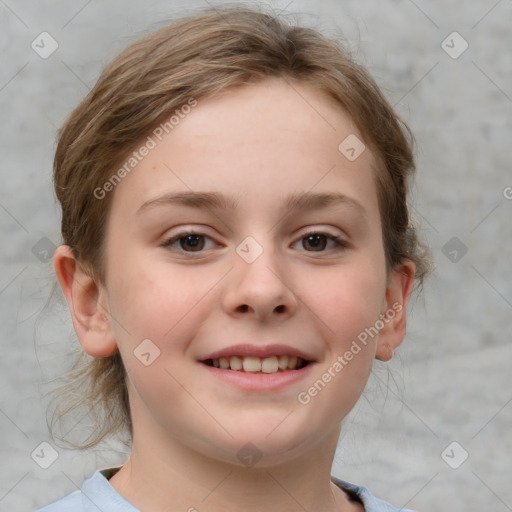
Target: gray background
(450,380)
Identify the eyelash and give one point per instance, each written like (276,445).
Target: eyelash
(340,244)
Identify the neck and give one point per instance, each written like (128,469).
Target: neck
(172,476)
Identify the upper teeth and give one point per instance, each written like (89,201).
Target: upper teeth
(256,364)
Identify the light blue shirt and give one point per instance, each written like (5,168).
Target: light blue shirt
(97,495)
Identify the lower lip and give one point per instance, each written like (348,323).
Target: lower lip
(259,381)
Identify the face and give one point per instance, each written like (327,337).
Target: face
(246,233)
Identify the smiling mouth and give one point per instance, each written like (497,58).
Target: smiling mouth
(250,364)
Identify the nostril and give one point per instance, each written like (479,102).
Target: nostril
(279,309)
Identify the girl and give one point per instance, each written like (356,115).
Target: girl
(237,251)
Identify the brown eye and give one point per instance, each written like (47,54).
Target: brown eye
(195,242)
(186,242)
(315,242)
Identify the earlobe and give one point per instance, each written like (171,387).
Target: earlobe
(87,304)
(394,317)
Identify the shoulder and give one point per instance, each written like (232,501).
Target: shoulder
(370,502)
(71,502)
(96,494)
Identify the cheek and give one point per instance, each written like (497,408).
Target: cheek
(345,307)
(166,308)
(157,302)
(347,301)
(160,401)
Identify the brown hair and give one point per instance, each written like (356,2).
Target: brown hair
(195,58)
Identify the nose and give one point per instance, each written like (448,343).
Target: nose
(259,289)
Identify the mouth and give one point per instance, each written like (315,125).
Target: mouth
(254,364)
(259,368)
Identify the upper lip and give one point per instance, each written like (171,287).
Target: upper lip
(258,351)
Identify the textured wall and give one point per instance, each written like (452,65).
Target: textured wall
(451,378)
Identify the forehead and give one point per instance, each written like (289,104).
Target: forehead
(257,143)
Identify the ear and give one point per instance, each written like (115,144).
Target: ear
(87,303)
(394,314)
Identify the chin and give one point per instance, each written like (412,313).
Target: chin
(257,447)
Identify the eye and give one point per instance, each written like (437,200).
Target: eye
(316,241)
(187,242)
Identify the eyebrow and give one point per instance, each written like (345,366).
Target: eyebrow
(298,201)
